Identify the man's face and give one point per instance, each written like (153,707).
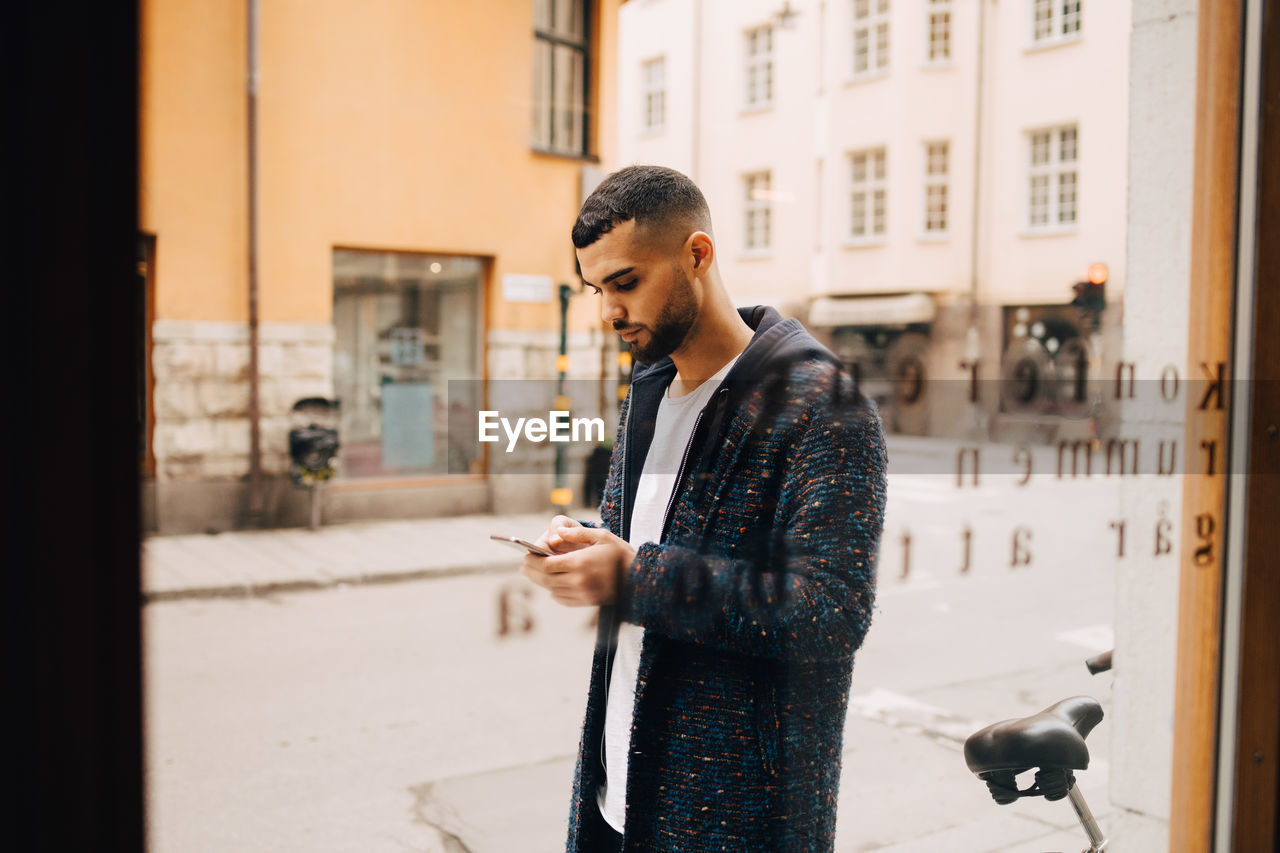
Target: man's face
(646,293)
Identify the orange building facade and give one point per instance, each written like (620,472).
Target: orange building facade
(417,168)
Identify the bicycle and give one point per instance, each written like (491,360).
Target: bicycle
(1051,742)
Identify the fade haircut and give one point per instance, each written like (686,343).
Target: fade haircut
(659,199)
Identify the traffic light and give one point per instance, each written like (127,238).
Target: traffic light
(1091,295)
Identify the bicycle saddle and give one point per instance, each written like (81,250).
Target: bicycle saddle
(1052,740)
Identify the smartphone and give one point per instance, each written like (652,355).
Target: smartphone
(524,544)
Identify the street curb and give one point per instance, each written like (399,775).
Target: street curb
(267,589)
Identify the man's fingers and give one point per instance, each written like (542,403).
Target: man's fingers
(536,569)
(580,535)
(566,587)
(544,567)
(569,590)
(554,538)
(582,574)
(532,573)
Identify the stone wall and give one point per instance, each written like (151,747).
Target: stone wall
(201,397)
(201,439)
(517,354)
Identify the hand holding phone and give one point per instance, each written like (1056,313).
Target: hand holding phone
(521,544)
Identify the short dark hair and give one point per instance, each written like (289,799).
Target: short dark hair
(651,195)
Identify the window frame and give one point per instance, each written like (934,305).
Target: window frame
(754,61)
(869,186)
(547,109)
(938,9)
(649,95)
(934,180)
(757,212)
(1053,169)
(1060,15)
(876,22)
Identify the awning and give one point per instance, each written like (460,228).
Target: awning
(872,310)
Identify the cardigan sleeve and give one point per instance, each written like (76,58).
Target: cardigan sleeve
(808,597)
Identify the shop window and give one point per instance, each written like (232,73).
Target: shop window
(405,326)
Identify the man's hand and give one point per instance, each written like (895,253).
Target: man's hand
(552,540)
(587,567)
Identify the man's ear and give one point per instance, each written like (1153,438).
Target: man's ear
(702,252)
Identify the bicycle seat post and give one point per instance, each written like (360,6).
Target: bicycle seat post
(1097,841)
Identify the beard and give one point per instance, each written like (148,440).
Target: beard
(672,326)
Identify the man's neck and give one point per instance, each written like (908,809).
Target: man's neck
(718,338)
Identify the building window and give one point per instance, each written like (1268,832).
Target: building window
(936,171)
(1054,20)
(870,37)
(938,49)
(759,56)
(560,96)
(868,194)
(654,95)
(1053,182)
(405,325)
(758,212)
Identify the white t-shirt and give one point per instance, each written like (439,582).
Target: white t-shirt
(672,430)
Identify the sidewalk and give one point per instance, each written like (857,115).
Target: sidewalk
(244,564)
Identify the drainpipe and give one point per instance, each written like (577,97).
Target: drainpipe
(255,427)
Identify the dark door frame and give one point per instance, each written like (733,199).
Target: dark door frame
(1256,783)
(72,647)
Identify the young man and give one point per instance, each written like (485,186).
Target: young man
(735,566)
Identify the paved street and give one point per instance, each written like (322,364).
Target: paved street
(393,716)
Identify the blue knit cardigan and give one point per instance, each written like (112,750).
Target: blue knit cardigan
(753,606)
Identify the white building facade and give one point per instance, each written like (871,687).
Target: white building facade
(922,181)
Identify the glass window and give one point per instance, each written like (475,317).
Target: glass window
(654,94)
(1053,177)
(560,93)
(1070,17)
(1055,20)
(759,67)
(1042,20)
(405,325)
(870,37)
(939,47)
(758,225)
(936,169)
(869,194)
